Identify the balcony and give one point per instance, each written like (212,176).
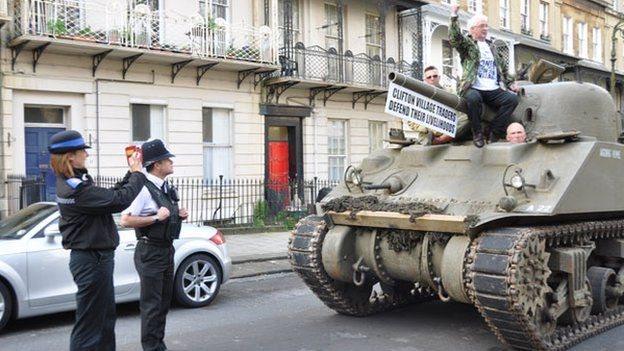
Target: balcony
(327,71)
(121,30)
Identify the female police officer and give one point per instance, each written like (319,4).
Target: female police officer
(89,231)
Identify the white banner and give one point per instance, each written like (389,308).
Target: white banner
(413,107)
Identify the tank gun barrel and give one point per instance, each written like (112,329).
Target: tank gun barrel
(437,94)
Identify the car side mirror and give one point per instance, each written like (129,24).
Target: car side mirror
(51,231)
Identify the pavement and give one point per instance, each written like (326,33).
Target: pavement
(258,254)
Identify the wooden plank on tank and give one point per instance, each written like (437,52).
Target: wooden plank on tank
(428,222)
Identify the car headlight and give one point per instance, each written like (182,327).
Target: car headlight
(517,181)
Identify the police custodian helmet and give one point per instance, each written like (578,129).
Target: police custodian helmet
(65,141)
(154,151)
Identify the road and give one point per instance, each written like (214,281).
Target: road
(278,312)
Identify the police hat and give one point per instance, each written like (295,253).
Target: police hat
(69,140)
(154,151)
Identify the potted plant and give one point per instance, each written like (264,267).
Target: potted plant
(57,27)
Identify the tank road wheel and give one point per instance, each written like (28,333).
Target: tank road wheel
(602,281)
(530,274)
(304,251)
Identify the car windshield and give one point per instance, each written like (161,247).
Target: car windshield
(17,225)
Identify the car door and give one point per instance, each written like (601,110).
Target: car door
(126,279)
(49,279)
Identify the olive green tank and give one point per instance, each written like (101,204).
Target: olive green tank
(531,234)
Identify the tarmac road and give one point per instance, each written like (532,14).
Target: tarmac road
(278,312)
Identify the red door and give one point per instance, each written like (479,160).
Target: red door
(279,165)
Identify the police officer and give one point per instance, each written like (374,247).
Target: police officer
(90,233)
(156,217)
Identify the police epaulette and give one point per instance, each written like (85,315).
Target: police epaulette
(73,182)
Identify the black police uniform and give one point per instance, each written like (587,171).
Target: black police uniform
(89,231)
(153,257)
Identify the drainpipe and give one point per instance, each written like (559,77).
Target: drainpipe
(97,108)
(2,141)
(314,135)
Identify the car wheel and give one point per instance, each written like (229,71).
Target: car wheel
(6,305)
(197,281)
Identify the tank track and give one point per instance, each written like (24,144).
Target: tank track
(494,287)
(304,251)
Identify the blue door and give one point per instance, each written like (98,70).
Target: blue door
(38,157)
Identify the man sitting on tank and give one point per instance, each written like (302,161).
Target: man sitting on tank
(485,74)
(516,133)
(427,136)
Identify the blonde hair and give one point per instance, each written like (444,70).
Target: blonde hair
(61,164)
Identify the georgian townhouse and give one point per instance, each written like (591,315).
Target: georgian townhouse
(279,90)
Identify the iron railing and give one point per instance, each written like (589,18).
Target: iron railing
(218,202)
(327,65)
(118,22)
(241,202)
(23,190)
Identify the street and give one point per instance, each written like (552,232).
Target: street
(278,312)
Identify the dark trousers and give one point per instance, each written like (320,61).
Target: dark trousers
(504,101)
(155,267)
(94,329)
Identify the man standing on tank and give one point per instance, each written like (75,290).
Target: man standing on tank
(484,72)
(157,220)
(89,231)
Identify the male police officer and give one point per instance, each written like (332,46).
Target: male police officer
(157,221)
(89,231)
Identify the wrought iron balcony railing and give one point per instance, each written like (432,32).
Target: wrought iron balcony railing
(119,23)
(317,63)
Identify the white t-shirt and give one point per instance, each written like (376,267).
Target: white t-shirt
(487,76)
(143,205)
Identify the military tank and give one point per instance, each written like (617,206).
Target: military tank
(531,234)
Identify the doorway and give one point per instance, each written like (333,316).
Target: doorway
(40,123)
(283,161)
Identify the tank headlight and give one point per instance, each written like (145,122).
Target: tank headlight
(517,181)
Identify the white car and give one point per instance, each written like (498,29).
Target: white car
(34,267)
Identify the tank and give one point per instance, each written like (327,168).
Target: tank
(531,234)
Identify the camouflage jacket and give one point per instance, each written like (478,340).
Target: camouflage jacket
(470,56)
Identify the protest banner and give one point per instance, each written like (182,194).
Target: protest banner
(413,107)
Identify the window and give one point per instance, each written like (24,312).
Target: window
(582,40)
(296,33)
(148,121)
(332,22)
(376,133)
(543,20)
(597,44)
(43,114)
(373,35)
(525,20)
(475,6)
(216,134)
(447,58)
(504,14)
(567,35)
(337,148)
(216,8)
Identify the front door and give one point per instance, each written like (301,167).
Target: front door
(284,162)
(279,166)
(38,157)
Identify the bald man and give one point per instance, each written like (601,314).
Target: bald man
(516,133)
